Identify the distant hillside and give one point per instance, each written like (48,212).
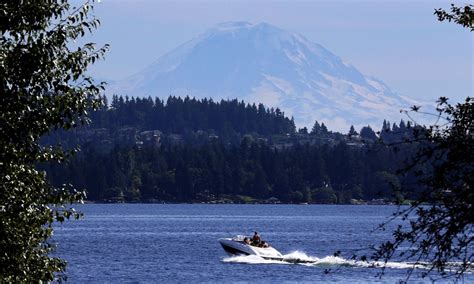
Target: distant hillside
(188,150)
(250,172)
(129,122)
(138,121)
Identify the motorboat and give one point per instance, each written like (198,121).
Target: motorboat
(238,246)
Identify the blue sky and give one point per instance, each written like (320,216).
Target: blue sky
(399,42)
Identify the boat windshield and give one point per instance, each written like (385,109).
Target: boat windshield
(238,238)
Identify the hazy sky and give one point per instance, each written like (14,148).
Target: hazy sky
(399,42)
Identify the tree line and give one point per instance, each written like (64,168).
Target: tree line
(177,115)
(192,119)
(250,171)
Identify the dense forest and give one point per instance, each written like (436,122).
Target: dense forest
(267,161)
(178,115)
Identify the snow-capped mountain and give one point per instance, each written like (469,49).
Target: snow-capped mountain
(264,64)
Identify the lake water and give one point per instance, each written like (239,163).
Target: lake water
(178,243)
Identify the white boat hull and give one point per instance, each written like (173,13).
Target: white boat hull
(237,247)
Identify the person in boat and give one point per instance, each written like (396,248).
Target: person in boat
(256,239)
(247,241)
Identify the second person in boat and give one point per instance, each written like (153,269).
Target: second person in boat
(256,239)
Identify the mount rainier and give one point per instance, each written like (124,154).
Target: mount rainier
(261,63)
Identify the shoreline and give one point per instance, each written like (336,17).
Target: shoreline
(256,203)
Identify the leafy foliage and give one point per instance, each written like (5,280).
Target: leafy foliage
(441,233)
(463,16)
(43,87)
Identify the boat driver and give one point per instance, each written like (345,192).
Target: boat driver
(256,239)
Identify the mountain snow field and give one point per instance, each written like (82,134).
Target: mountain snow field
(261,63)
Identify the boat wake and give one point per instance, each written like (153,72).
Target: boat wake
(301,258)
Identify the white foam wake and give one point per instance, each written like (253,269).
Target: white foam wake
(302,258)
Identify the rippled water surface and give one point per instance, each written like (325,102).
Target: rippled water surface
(178,243)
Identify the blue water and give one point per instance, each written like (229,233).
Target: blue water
(178,243)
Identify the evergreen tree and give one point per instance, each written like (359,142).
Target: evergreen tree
(316,130)
(402,126)
(303,130)
(352,131)
(367,133)
(395,128)
(324,130)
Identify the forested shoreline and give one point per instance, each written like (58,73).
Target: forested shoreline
(209,154)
